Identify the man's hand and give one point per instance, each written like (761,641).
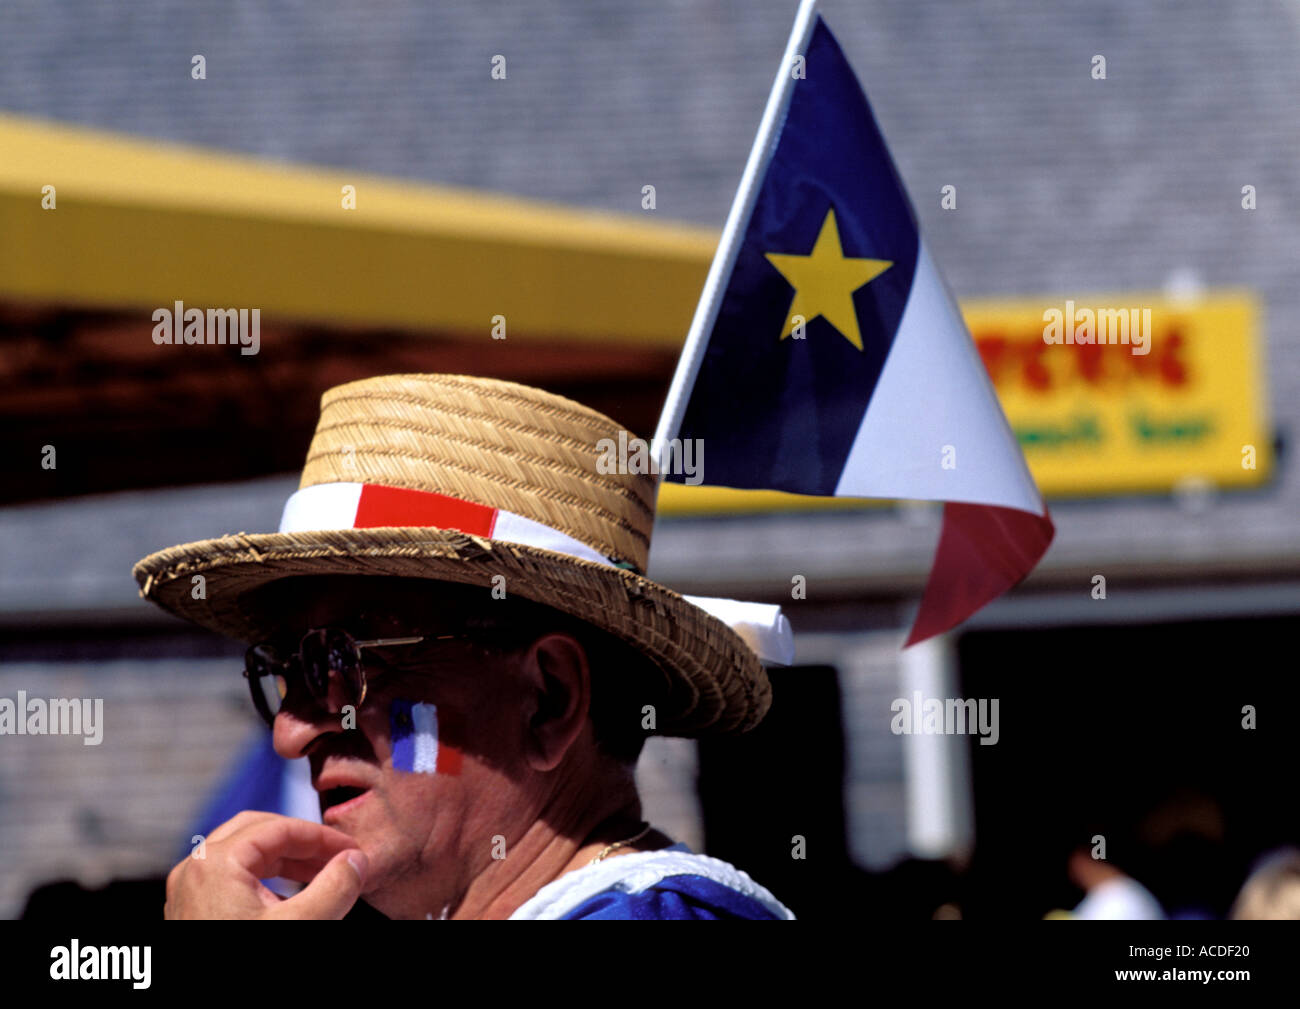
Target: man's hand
(251,847)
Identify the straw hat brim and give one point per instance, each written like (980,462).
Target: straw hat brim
(716,682)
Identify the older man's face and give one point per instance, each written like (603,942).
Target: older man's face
(414,825)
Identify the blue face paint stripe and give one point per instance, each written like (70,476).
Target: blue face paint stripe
(403,735)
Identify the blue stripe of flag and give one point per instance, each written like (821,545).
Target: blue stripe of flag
(782,414)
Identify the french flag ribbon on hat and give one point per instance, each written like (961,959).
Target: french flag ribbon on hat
(350,505)
(827,356)
(373,506)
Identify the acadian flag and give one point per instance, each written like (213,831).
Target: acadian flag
(827,356)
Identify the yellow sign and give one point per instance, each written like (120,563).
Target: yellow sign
(1129,392)
(1107,394)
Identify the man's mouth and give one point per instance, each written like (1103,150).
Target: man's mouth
(339,800)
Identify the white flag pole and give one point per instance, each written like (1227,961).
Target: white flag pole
(706,312)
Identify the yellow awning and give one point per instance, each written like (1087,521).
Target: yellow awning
(141,224)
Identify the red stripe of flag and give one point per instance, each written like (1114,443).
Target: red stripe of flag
(983,551)
(401,506)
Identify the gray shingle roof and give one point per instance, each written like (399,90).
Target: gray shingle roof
(1066,184)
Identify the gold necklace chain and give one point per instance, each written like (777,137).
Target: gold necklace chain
(618,844)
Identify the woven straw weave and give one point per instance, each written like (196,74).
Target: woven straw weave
(504,445)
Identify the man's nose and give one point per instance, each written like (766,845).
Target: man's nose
(303,719)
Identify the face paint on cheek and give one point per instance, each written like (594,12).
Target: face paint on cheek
(416,746)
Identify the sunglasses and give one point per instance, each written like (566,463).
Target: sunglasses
(328,663)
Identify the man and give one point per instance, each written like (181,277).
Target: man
(453,627)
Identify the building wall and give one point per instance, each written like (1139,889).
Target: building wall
(120,809)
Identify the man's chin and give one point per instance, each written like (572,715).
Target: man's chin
(358,824)
(383,889)
(377,846)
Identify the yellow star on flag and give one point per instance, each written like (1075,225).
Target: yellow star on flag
(824,282)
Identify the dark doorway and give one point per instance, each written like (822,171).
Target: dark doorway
(781,782)
(1137,733)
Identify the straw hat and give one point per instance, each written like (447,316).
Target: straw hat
(459,479)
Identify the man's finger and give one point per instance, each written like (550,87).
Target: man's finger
(237,823)
(301,870)
(263,847)
(332,893)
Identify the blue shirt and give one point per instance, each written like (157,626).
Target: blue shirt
(672,884)
(677,898)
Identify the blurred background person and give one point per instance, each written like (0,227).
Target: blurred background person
(1111,893)
(1272,891)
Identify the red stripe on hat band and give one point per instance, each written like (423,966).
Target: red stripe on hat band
(401,506)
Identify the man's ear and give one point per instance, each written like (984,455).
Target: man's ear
(559,679)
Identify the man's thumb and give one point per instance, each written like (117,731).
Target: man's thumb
(334,890)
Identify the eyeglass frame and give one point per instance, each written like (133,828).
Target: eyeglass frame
(295,659)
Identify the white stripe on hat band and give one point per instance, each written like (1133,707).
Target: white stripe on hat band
(325,506)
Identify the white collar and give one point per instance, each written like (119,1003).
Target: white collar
(636,872)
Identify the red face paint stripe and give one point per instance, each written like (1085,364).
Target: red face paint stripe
(449,759)
(449,755)
(400,506)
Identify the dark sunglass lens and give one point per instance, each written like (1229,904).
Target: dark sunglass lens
(315,663)
(329,652)
(342,652)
